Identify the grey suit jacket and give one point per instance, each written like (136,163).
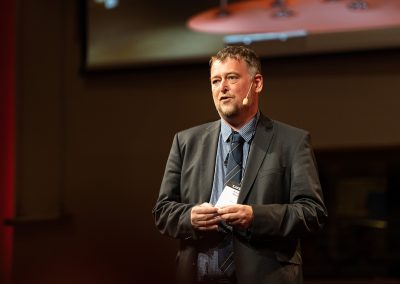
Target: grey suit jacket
(280,183)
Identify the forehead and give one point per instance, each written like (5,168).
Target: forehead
(229,65)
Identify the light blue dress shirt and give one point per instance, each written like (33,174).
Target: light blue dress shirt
(207,264)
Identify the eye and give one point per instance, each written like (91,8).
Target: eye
(233,78)
(215,81)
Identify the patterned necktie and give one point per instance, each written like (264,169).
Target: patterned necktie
(233,174)
(235,159)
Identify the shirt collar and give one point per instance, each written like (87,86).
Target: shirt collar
(247,131)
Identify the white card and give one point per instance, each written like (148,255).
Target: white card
(229,195)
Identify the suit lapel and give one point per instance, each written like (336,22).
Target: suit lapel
(207,158)
(258,150)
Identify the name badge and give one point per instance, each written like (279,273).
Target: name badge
(229,195)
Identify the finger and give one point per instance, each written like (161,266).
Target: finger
(206,204)
(202,220)
(242,219)
(228,218)
(208,225)
(209,222)
(196,218)
(208,228)
(199,213)
(204,217)
(204,210)
(228,209)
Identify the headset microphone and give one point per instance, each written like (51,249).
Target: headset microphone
(246,100)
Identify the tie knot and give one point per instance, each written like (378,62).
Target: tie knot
(236,137)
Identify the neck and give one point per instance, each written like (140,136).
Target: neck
(238,122)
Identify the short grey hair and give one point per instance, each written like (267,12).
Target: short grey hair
(239,53)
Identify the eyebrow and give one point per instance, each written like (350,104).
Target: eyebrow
(225,74)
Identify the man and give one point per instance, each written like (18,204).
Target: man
(250,233)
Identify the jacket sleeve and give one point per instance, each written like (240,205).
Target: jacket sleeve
(172,217)
(303,211)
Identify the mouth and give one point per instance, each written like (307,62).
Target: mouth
(225,98)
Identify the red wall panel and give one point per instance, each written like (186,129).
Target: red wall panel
(7,133)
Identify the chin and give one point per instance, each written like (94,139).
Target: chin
(229,112)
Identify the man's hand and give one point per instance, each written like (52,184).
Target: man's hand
(204,217)
(239,216)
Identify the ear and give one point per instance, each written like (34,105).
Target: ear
(258,80)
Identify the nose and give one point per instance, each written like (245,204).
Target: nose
(224,86)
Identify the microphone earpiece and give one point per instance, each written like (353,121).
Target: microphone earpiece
(246,100)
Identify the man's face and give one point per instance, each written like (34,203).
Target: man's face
(230,83)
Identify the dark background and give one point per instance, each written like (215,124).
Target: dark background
(91,150)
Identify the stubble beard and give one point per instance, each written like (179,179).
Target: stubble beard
(230,111)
